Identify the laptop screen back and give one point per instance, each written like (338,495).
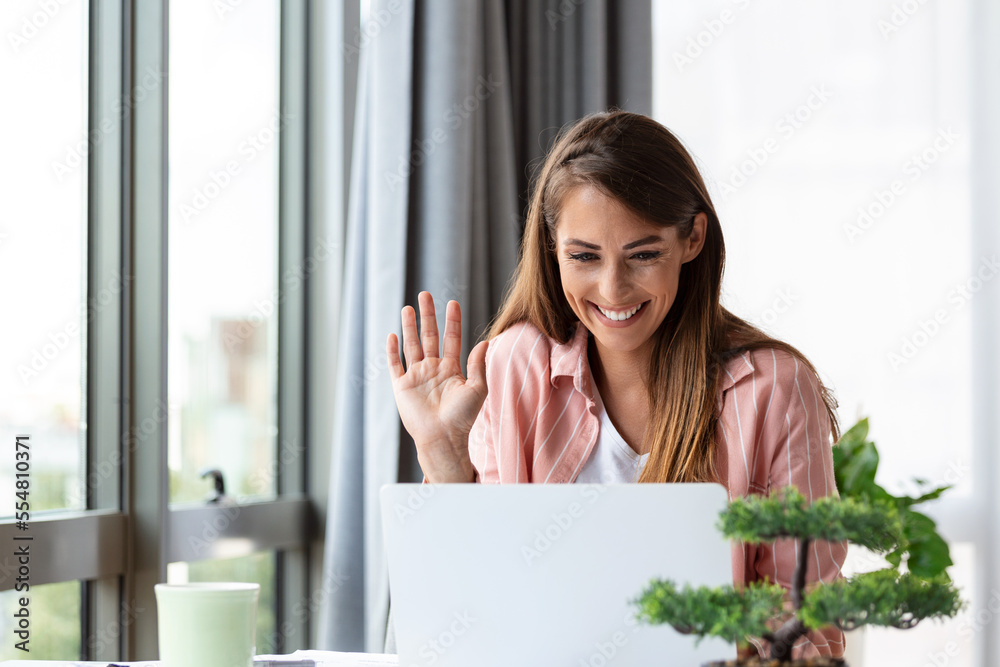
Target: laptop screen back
(532,574)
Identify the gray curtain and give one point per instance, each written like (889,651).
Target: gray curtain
(457,101)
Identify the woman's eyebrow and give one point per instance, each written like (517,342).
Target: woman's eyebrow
(642,241)
(627,246)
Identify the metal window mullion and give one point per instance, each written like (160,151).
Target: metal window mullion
(291,569)
(101,598)
(78,545)
(243,530)
(145,208)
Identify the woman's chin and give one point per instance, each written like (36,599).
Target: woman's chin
(620,343)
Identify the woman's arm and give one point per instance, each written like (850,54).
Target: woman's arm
(502,438)
(490,430)
(795,447)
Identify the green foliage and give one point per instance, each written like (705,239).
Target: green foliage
(865,514)
(716,612)
(880,598)
(787,514)
(855,462)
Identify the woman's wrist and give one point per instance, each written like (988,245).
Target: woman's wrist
(443,463)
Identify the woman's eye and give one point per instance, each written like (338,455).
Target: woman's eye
(645,256)
(582,256)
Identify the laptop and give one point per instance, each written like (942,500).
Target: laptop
(539,574)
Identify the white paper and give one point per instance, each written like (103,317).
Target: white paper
(336,659)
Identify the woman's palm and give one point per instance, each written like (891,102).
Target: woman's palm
(435,400)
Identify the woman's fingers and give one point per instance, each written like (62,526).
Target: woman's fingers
(452,331)
(428,325)
(392,355)
(477,365)
(427,343)
(411,342)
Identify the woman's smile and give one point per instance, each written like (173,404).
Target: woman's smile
(620,317)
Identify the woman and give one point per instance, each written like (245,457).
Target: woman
(612,359)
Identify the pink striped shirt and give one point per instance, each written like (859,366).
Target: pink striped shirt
(539,424)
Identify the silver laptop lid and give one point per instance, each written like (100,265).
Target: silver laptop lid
(533,574)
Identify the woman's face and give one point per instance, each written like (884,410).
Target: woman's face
(619,272)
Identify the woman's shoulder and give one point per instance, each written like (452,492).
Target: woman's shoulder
(769,390)
(524,346)
(776,361)
(768,366)
(518,336)
(519,344)
(516,331)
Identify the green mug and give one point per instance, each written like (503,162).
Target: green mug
(211,624)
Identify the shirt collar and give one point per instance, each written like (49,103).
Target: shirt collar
(569,359)
(734,370)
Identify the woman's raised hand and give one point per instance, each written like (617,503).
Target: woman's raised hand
(437,404)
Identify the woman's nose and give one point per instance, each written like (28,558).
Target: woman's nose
(615,284)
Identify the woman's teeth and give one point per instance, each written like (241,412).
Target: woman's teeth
(618,316)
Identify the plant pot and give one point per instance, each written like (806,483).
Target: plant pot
(758,662)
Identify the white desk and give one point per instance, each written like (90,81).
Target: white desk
(319,658)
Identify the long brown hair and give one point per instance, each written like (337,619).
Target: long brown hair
(638,162)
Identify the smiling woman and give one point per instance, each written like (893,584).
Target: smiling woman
(612,359)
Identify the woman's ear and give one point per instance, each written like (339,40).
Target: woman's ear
(696,239)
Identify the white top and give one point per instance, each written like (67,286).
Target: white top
(611,461)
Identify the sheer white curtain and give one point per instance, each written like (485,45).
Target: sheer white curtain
(848,152)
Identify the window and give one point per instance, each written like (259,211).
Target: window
(225,124)
(840,160)
(42,253)
(164,291)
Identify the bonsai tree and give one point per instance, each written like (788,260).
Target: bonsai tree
(913,587)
